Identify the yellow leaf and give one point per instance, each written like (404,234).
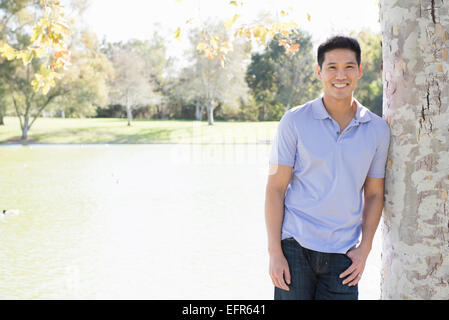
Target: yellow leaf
(178,34)
(283,13)
(44,22)
(46,88)
(309,17)
(35,85)
(8,52)
(234,3)
(201,46)
(63,28)
(39,52)
(26,57)
(37,31)
(247,32)
(44,70)
(238,32)
(228,24)
(214,42)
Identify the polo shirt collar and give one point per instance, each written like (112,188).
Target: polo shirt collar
(320,112)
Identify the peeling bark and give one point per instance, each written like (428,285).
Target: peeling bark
(415,255)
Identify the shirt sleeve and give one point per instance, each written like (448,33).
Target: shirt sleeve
(283,150)
(377,168)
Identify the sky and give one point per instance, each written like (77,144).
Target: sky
(122,20)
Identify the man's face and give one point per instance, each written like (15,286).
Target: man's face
(339,73)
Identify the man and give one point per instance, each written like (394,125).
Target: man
(326,184)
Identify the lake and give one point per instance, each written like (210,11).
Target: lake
(158,221)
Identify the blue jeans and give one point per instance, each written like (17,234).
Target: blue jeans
(314,275)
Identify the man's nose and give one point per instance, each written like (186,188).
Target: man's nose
(341,74)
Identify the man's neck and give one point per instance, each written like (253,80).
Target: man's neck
(340,108)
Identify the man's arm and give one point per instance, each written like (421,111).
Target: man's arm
(372,212)
(278,180)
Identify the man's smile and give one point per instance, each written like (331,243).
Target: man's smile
(340,85)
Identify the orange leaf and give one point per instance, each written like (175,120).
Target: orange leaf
(294,48)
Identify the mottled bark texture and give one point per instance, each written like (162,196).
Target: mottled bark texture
(415,45)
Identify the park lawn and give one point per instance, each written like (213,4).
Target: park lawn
(113,130)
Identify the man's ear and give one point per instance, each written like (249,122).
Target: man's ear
(318,72)
(360,72)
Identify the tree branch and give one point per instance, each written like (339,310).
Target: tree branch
(17,111)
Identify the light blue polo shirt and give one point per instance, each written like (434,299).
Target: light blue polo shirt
(324,199)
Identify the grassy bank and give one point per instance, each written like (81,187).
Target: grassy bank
(105,130)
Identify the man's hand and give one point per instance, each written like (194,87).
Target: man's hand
(279,271)
(355,270)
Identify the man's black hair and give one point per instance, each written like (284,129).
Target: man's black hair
(339,42)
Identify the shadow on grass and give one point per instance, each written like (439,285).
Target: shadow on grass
(98,135)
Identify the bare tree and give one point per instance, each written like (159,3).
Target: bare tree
(130,87)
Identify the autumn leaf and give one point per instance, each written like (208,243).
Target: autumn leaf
(229,23)
(35,85)
(201,46)
(178,34)
(8,52)
(39,52)
(294,48)
(25,55)
(62,28)
(309,17)
(282,42)
(234,3)
(214,42)
(37,32)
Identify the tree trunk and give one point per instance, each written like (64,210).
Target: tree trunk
(25,127)
(2,114)
(198,112)
(129,115)
(415,255)
(262,112)
(210,113)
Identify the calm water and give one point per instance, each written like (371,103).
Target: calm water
(138,222)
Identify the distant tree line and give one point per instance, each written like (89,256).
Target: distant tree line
(138,80)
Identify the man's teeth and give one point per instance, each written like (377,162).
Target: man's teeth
(340,85)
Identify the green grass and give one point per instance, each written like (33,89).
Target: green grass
(106,130)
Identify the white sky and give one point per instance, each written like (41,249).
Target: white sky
(126,19)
